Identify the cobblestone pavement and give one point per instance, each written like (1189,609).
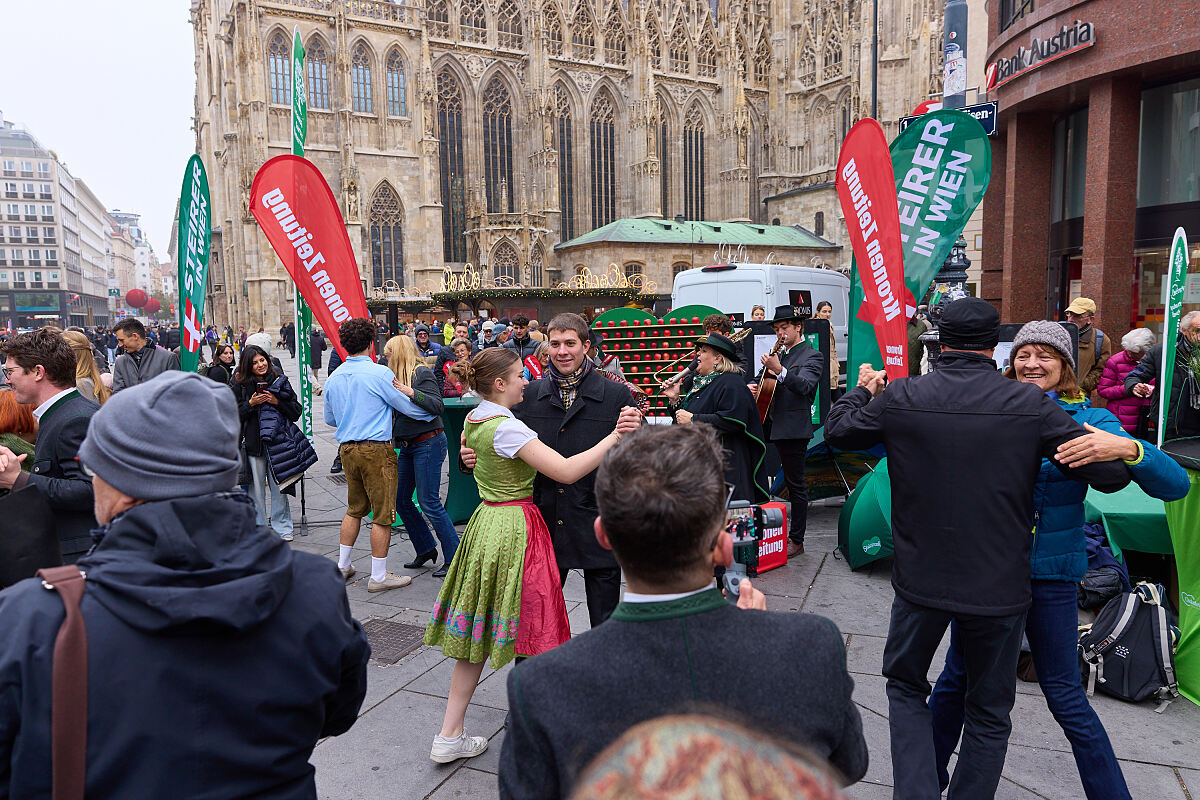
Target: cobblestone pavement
(386,754)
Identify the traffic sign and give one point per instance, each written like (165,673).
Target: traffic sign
(984,112)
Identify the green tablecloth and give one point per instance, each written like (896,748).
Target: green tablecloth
(1133,519)
(462,495)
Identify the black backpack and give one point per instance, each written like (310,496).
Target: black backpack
(1129,651)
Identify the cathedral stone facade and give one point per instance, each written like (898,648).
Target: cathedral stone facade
(488,131)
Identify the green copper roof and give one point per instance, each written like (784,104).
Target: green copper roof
(665,231)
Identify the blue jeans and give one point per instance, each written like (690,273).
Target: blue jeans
(1051,627)
(420,467)
(281,511)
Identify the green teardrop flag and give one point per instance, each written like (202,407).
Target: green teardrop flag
(303,314)
(942,163)
(1177,267)
(191,253)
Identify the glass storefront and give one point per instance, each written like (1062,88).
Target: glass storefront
(1149,286)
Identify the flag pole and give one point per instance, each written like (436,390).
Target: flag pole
(302,315)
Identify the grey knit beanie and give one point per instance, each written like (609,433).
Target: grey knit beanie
(173,436)
(1045,332)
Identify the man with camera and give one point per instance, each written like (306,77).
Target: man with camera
(675,644)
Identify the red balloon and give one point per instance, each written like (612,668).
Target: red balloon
(136,298)
(153,306)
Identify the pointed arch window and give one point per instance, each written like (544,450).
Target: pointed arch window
(552,23)
(360,79)
(279,69)
(614,38)
(806,65)
(664,162)
(762,62)
(317,59)
(506,267)
(565,144)
(397,85)
(739,56)
(509,27)
(583,36)
(536,266)
(706,56)
(387,239)
(693,164)
(497,146)
(604,156)
(655,45)
(450,151)
(681,60)
(437,13)
(833,56)
(472,21)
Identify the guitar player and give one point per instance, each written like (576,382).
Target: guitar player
(796,370)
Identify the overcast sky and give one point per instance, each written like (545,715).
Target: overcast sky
(107,86)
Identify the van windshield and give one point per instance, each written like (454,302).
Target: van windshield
(731,295)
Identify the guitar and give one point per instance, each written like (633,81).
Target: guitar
(766,387)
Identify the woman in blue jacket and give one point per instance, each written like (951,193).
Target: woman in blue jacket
(1042,354)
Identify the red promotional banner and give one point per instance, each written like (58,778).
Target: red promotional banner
(866,188)
(296,210)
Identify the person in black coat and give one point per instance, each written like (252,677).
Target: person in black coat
(571,409)
(224,365)
(719,397)
(797,369)
(256,375)
(217,657)
(316,346)
(40,367)
(662,511)
(961,519)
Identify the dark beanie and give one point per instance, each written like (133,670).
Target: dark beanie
(969,324)
(173,436)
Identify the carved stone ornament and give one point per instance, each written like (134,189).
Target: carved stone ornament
(475,65)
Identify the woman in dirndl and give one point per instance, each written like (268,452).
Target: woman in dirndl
(502,597)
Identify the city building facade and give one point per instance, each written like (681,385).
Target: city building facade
(1098,158)
(464,131)
(52,264)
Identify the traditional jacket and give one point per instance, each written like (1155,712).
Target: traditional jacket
(728,406)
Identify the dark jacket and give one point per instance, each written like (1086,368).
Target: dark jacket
(446,356)
(964,448)
(428,396)
(171,338)
(524,347)
(728,406)
(335,361)
(570,510)
(1182,419)
(316,346)
(217,657)
(1059,545)
(289,453)
(289,406)
(567,705)
(791,407)
(128,372)
(58,476)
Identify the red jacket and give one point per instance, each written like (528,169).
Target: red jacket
(1125,406)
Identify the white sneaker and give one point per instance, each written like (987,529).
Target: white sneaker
(348,572)
(446,750)
(287,537)
(390,581)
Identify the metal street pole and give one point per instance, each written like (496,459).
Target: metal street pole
(954,51)
(875,59)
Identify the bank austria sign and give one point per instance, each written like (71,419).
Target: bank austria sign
(1069,39)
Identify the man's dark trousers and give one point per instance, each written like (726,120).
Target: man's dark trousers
(792,453)
(602,587)
(990,649)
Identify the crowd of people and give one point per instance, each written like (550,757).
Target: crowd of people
(170,493)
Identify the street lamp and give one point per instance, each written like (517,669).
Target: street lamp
(691,243)
(949,285)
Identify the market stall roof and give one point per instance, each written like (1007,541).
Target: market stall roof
(665,231)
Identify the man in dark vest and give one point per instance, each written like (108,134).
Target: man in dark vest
(40,366)
(571,409)
(797,369)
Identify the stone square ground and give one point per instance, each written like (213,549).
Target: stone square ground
(386,754)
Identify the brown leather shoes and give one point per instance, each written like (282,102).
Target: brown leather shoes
(795,548)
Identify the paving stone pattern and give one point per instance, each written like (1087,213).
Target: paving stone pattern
(386,754)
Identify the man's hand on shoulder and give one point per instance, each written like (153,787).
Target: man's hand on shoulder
(466,454)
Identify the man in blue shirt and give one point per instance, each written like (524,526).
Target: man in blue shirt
(359,399)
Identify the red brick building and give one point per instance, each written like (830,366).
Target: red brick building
(1097,158)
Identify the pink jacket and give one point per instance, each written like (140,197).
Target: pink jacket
(1112,388)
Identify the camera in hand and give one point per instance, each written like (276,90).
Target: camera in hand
(747,525)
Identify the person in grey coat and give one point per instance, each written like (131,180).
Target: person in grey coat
(141,360)
(675,644)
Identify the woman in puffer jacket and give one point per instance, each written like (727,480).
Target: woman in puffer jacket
(1042,354)
(1124,405)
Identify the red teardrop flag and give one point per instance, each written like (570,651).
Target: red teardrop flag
(296,210)
(866,188)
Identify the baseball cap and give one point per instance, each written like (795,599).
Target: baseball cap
(1082,305)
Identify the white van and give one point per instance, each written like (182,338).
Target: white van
(737,288)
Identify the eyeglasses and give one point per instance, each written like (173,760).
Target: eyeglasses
(8,371)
